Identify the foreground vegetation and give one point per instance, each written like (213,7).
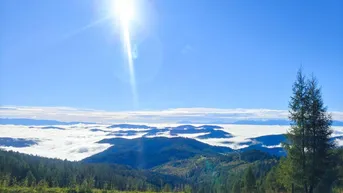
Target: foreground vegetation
(23,170)
(60,190)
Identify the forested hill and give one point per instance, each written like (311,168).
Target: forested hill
(220,173)
(150,152)
(17,169)
(229,172)
(201,173)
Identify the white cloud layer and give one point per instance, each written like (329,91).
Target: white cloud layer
(199,115)
(78,141)
(74,143)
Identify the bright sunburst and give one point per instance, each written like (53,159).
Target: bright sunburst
(125,10)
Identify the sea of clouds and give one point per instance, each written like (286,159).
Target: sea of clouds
(78,141)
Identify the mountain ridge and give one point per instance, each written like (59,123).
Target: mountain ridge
(141,152)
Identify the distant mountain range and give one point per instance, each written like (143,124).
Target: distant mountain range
(253,122)
(275,122)
(129,126)
(263,122)
(20,121)
(25,121)
(205,131)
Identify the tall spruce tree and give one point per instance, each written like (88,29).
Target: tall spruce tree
(319,144)
(296,136)
(236,188)
(249,181)
(309,144)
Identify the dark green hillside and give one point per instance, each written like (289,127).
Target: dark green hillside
(217,173)
(18,169)
(150,152)
(202,173)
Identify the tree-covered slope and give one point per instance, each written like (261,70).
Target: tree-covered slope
(217,173)
(151,152)
(18,169)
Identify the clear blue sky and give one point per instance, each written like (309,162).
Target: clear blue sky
(190,53)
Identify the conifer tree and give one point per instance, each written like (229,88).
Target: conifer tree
(320,146)
(296,136)
(308,141)
(249,181)
(236,188)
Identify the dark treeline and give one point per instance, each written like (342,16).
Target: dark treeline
(279,179)
(219,174)
(23,170)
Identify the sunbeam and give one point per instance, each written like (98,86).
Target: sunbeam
(124,11)
(127,44)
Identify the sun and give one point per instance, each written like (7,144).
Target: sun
(124,10)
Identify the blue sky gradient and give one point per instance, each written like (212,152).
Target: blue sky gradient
(192,53)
